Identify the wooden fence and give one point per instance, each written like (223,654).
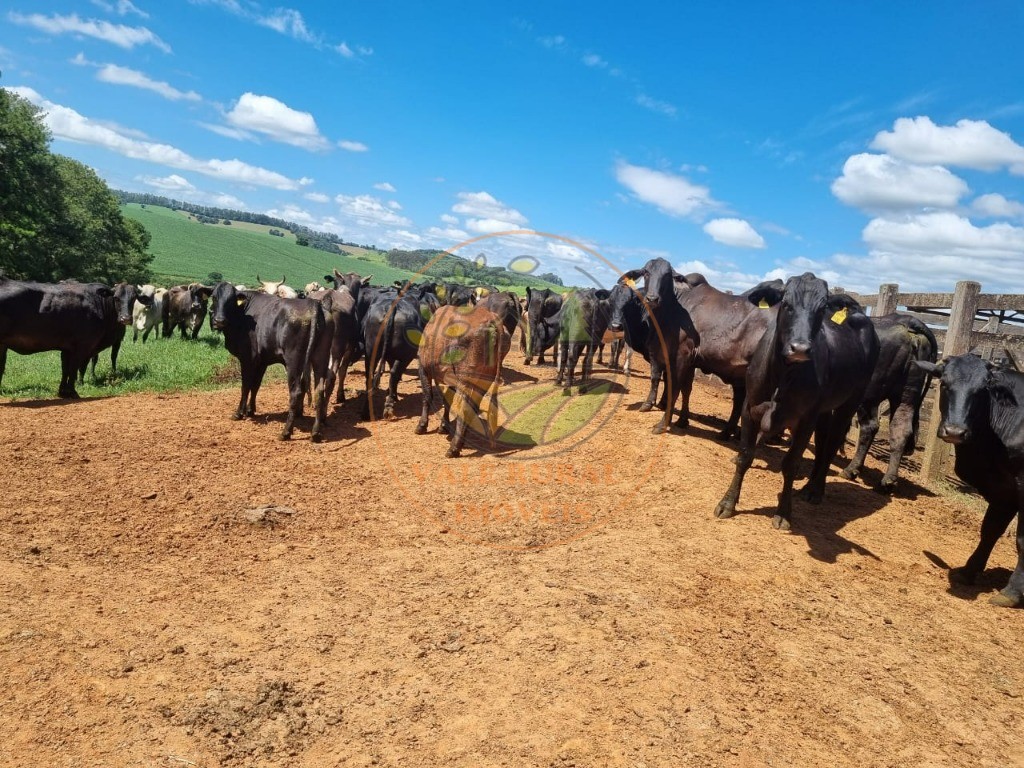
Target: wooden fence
(990,324)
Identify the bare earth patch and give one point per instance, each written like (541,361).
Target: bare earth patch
(361,616)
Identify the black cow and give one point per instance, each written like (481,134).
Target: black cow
(392,328)
(540,305)
(584,319)
(118,314)
(505,305)
(455,295)
(983,417)
(902,340)
(261,330)
(343,327)
(808,374)
(185,309)
(670,340)
(74,318)
(730,328)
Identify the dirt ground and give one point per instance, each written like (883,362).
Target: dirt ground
(566,603)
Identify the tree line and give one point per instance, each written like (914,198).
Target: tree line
(58,219)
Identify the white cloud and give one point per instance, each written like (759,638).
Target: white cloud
(997,207)
(735,232)
(370,210)
(593,60)
(289,22)
(116,75)
(123,8)
(661,107)
(554,41)
(881,182)
(276,120)
(447,218)
(173,184)
(344,50)
(485,214)
(969,144)
(66,123)
(945,233)
(671,194)
(447,236)
(118,34)
(293,213)
(229,132)
(317,197)
(383,186)
(353,146)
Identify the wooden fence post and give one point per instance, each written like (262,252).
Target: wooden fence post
(958,342)
(888,297)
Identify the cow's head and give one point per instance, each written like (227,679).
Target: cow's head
(125,296)
(659,282)
(227,304)
(966,385)
(803,306)
(765,294)
(539,304)
(618,299)
(269,286)
(198,296)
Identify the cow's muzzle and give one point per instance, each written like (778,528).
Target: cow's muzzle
(954,434)
(797,352)
(652,301)
(615,327)
(124,319)
(218,323)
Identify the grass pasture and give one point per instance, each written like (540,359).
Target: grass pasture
(160,365)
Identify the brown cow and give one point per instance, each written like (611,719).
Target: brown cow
(185,308)
(462,352)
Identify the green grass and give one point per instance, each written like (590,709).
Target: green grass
(160,365)
(185,250)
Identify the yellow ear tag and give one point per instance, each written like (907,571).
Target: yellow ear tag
(763,304)
(839,317)
(240,300)
(630,282)
(440,291)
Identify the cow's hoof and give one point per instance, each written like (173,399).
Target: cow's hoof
(810,495)
(1004,600)
(661,429)
(780,523)
(388,415)
(724,510)
(962,576)
(237,416)
(452,453)
(317,437)
(681,424)
(284,436)
(421,428)
(584,388)
(644,407)
(887,489)
(527,361)
(849,474)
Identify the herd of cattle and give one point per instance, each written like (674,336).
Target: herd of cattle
(799,359)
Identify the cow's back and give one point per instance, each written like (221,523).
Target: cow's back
(35,317)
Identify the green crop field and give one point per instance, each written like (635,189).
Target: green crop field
(185,250)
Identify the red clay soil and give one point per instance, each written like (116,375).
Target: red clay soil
(566,604)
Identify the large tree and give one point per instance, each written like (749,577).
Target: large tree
(58,219)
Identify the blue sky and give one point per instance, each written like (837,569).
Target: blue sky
(869,142)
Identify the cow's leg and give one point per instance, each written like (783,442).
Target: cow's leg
(739,393)
(600,354)
(115,349)
(427,389)
(685,389)
(824,431)
(656,368)
(247,375)
(295,394)
(627,369)
(1012,594)
(901,440)
(135,335)
(463,404)
(447,395)
(346,360)
(391,399)
(570,356)
(319,407)
(790,462)
(993,525)
(867,422)
(68,370)
(744,458)
(257,380)
(588,366)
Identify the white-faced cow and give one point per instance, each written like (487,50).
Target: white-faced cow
(262,330)
(462,352)
(278,288)
(146,317)
(808,374)
(983,417)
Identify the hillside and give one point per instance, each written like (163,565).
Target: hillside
(185,250)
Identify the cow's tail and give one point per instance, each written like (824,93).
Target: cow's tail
(384,345)
(315,329)
(925,352)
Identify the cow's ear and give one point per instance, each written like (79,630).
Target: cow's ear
(105,292)
(1001,392)
(765,296)
(931,368)
(367,279)
(838,301)
(630,278)
(205,291)
(602,294)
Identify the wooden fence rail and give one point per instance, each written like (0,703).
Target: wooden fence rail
(972,320)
